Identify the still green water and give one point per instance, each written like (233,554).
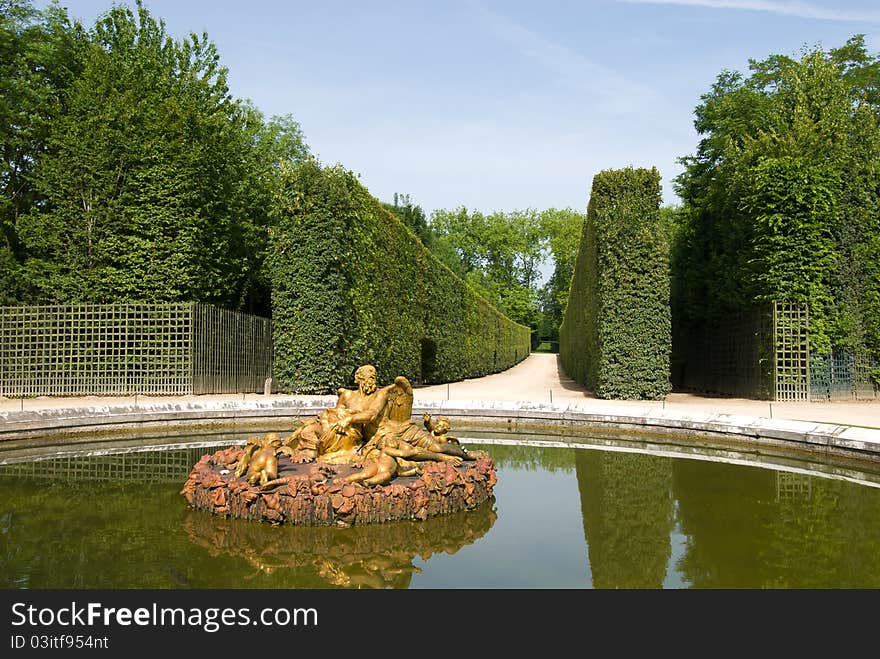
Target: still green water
(561,517)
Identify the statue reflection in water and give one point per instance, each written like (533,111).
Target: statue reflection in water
(362,556)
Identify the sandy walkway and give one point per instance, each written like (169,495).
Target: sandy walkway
(538,378)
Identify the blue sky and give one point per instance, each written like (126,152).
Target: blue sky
(497,106)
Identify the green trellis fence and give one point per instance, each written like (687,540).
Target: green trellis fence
(843,375)
(124,349)
(765,353)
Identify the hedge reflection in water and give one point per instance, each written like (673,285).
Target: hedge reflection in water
(561,518)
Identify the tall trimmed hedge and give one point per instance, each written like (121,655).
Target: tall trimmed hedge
(615,338)
(352,285)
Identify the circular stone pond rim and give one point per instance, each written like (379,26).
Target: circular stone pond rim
(70,423)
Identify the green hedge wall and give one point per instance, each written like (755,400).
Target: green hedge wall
(615,338)
(352,285)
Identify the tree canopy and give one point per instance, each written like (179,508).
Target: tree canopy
(130,171)
(782,197)
(501,254)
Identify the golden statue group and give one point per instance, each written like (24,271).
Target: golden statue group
(324,471)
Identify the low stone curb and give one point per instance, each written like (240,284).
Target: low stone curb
(71,423)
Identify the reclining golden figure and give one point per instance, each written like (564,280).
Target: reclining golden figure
(373,426)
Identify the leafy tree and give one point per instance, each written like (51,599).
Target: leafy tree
(782,200)
(150,181)
(563,230)
(268,147)
(793,206)
(499,255)
(38,61)
(464,232)
(136,182)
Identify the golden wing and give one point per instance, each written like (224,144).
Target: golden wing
(400,400)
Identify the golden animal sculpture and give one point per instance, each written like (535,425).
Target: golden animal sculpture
(260,459)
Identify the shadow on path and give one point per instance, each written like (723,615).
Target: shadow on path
(565,382)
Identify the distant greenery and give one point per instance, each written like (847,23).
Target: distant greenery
(782,198)
(500,255)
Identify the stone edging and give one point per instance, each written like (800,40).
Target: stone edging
(803,435)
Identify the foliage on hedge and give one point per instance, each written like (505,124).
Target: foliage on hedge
(615,338)
(352,285)
(781,198)
(792,253)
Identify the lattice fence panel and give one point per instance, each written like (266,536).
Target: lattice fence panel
(732,356)
(124,349)
(864,387)
(841,376)
(820,377)
(112,349)
(232,352)
(792,340)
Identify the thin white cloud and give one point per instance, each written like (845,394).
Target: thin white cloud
(607,89)
(798,9)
